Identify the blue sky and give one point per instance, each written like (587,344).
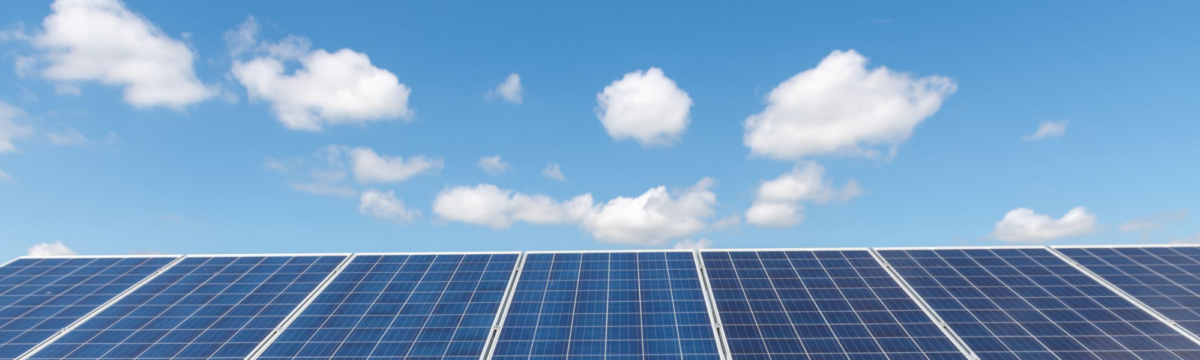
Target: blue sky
(186,127)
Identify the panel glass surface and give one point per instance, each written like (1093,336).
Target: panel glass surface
(39,297)
(623,306)
(819,305)
(201,308)
(402,307)
(1167,279)
(1030,304)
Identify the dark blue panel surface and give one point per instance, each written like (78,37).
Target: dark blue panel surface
(402,307)
(1167,279)
(595,306)
(819,305)
(39,296)
(1030,304)
(201,308)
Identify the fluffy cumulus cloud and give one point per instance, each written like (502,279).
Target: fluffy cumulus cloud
(50,249)
(509,90)
(645,106)
(842,107)
(1048,129)
(386,206)
(780,201)
(9,128)
(1023,225)
(493,165)
(101,40)
(689,244)
(650,219)
(341,87)
(554,172)
(488,205)
(370,167)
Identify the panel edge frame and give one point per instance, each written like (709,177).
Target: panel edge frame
(711,301)
(933,316)
(308,300)
(489,347)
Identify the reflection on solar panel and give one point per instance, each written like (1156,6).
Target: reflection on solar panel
(1030,304)
(40,296)
(402,307)
(201,308)
(621,305)
(819,305)
(1167,279)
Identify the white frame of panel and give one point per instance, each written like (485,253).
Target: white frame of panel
(489,347)
(711,302)
(937,320)
(1122,293)
(886,267)
(521,266)
(1121,246)
(63,332)
(262,346)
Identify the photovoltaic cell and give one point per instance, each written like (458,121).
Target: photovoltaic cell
(200,308)
(40,296)
(819,305)
(402,307)
(1167,279)
(620,305)
(1030,304)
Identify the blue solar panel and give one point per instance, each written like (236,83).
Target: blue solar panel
(1167,279)
(402,307)
(1030,304)
(40,296)
(621,305)
(819,305)
(201,308)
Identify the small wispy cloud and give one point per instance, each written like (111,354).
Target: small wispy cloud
(1048,129)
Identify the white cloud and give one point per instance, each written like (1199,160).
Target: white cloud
(67,137)
(488,205)
(322,174)
(689,244)
(1023,225)
(9,129)
(50,249)
(25,66)
(342,87)
(553,171)
(779,202)
(101,40)
(509,90)
(1147,225)
(645,106)
(4,176)
(370,167)
(841,107)
(1048,129)
(727,222)
(493,165)
(651,219)
(244,38)
(654,217)
(386,206)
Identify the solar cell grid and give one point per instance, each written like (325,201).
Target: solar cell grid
(620,305)
(1167,279)
(1030,304)
(217,307)
(40,296)
(402,307)
(819,305)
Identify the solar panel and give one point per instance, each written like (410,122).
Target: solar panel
(40,296)
(1030,304)
(402,307)
(217,307)
(618,305)
(819,305)
(1167,279)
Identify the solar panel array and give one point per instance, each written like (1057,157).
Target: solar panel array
(200,308)
(1030,304)
(819,305)
(402,307)
(621,305)
(995,303)
(1167,279)
(39,296)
